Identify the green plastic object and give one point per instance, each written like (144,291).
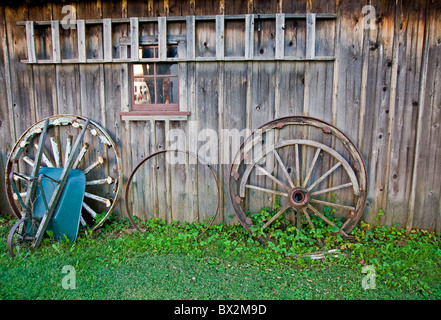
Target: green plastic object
(65,221)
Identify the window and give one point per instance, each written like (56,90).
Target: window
(155,84)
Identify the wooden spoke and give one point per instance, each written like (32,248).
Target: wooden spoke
(68,149)
(311,167)
(334,205)
(28,160)
(269,175)
(95,197)
(308,218)
(44,157)
(82,221)
(19,176)
(267,190)
(323,177)
(297,165)
(80,155)
(100,161)
(282,166)
(274,217)
(21,194)
(342,186)
(317,213)
(108,180)
(89,209)
(55,151)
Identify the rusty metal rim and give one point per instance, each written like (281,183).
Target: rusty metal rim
(129,213)
(327,128)
(15,227)
(9,164)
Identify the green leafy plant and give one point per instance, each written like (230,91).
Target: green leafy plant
(167,261)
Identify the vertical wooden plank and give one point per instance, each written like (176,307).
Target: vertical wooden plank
(421,114)
(220,37)
(280,36)
(154,174)
(277,93)
(68,89)
(192,127)
(378,73)
(7,136)
(21,74)
(206,39)
(179,173)
(134,39)
(162,38)
(262,111)
(56,49)
(264,37)
(191,38)
(364,80)
(168,179)
(292,89)
(30,39)
(249,36)
(67,76)
(140,187)
(410,39)
(183,80)
(81,31)
(44,76)
(347,104)
(123,131)
(337,40)
(207,100)
(114,125)
(107,39)
(221,142)
(92,86)
(234,38)
(158,141)
(236,119)
(427,212)
(310,35)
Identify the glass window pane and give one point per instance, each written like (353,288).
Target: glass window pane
(144,90)
(148,52)
(167,68)
(167,90)
(172,52)
(145,69)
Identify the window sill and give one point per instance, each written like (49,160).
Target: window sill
(154,115)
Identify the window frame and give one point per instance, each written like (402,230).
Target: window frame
(152,107)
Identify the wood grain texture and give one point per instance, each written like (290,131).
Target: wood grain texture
(379,85)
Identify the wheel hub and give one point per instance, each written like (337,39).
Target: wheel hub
(299,197)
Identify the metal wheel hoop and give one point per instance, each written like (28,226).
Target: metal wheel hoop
(129,181)
(24,235)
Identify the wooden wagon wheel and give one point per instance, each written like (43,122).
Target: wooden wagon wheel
(310,165)
(97,157)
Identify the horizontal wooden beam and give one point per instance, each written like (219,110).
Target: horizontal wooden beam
(198,59)
(197,18)
(154,115)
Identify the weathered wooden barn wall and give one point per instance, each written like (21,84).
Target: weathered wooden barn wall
(382,90)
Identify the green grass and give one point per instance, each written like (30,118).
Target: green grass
(167,262)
